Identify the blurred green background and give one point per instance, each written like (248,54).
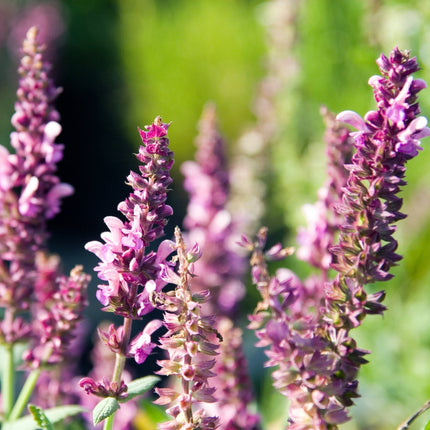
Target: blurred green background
(123,62)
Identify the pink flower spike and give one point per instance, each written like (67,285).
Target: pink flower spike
(353,119)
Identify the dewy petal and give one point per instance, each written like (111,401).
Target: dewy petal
(353,119)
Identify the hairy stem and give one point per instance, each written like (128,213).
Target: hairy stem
(24,395)
(119,366)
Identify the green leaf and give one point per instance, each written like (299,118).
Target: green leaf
(427,427)
(53,415)
(150,414)
(40,417)
(140,386)
(105,409)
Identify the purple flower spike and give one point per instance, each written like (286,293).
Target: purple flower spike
(30,191)
(125,265)
(191,343)
(208,222)
(322,219)
(384,143)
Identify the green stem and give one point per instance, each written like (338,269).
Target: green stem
(119,366)
(120,357)
(109,423)
(8,380)
(24,395)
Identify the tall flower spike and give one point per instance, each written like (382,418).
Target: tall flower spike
(191,343)
(132,273)
(386,139)
(220,268)
(318,237)
(30,191)
(325,382)
(125,265)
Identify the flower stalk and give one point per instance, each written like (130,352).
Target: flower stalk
(131,272)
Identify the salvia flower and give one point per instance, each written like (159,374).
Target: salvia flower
(30,191)
(370,205)
(191,344)
(306,367)
(386,139)
(125,264)
(208,222)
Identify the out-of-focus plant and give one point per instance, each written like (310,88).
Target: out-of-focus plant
(41,306)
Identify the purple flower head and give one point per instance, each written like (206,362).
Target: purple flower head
(125,264)
(220,268)
(104,388)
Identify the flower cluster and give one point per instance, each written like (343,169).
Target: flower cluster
(191,344)
(42,307)
(132,273)
(304,325)
(209,223)
(125,265)
(317,359)
(386,139)
(30,192)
